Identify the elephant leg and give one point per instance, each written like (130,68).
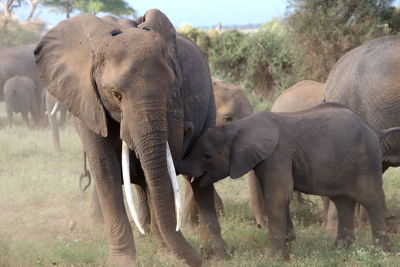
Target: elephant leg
(190,215)
(332,218)
(290,232)
(190,212)
(143,207)
(375,209)
(325,204)
(345,230)
(257,202)
(25,118)
(105,167)
(63,118)
(96,214)
(54,130)
(9,116)
(209,227)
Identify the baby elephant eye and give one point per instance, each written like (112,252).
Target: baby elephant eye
(207,156)
(117,96)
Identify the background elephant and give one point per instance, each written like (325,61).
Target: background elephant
(54,107)
(135,86)
(326,150)
(19,96)
(19,60)
(302,95)
(366,80)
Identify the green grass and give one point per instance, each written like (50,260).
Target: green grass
(40,198)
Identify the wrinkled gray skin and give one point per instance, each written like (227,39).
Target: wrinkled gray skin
(302,95)
(232,104)
(326,150)
(19,60)
(19,96)
(366,80)
(138,82)
(54,122)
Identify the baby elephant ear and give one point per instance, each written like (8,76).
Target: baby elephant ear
(65,58)
(253,144)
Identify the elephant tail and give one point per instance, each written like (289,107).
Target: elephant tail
(383,133)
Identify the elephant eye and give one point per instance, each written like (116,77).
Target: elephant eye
(117,96)
(228,118)
(207,156)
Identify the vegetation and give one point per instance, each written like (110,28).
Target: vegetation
(40,202)
(115,7)
(13,33)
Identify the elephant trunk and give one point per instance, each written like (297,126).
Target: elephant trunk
(147,135)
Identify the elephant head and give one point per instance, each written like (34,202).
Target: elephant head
(128,72)
(230,150)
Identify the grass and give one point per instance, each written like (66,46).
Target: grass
(40,199)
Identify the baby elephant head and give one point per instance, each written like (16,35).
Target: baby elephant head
(230,150)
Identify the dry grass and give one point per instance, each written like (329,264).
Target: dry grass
(40,198)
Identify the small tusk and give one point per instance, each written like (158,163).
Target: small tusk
(192,180)
(54,110)
(175,186)
(128,187)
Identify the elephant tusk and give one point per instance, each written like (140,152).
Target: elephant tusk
(54,110)
(128,187)
(192,180)
(175,187)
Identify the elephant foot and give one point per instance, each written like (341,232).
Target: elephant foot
(121,261)
(344,242)
(216,249)
(382,241)
(280,252)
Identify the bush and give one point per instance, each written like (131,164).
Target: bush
(12,33)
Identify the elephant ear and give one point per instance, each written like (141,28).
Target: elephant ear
(157,21)
(252,144)
(66,58)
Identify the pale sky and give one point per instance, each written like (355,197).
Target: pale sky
(196,12)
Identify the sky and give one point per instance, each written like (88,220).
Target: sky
(196,12)
(199,13)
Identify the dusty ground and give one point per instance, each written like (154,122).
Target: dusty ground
(40,202)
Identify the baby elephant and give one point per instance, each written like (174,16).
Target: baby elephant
(326,150)
(19,97)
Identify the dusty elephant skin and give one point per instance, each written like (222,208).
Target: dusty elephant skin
(326,150)
(19,95)
(366,80)
(19,60)
(136,82)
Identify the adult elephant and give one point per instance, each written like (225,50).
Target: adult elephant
(53,107)
(133,87)
(19,60)
(302,95)
(366,80)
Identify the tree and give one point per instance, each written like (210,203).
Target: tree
(116,7)
(321,31)
(9,5)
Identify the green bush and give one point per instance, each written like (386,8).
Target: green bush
(13,33)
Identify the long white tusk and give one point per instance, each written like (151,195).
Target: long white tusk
(175,186)
(128,187)
(54,110)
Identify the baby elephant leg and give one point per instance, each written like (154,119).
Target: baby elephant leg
(345,231)
(375,209)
